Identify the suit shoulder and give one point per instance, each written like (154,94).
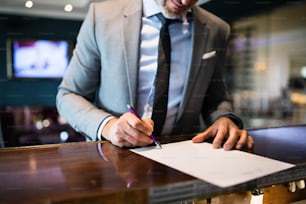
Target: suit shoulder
(108,10)
(211,19)
(113,5)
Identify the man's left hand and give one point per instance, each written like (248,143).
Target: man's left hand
(225,130)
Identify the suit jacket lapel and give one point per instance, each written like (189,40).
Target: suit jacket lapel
(198,44)
(131,23)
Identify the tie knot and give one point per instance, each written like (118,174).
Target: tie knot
(165,21)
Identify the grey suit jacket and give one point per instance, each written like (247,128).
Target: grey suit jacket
(102,75)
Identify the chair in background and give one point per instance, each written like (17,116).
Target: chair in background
(7,130)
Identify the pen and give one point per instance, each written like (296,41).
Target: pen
(132,110)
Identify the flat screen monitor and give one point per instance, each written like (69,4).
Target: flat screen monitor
(38,58)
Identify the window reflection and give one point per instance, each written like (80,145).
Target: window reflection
(266,69)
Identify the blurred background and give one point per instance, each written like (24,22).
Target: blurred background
(265,69)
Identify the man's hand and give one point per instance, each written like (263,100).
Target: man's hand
(224,128)
(128,131)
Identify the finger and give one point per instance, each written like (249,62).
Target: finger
(136,138)
(135,131)
(243,139)
(250,142)
(119,140)
(202,136)
(125,135)
(144,126)
(232,140)
(150,125)
(126,140)
(221,134)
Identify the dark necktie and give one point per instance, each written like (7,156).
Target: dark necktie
(162,77)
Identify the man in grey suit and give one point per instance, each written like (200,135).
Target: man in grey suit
(114,64)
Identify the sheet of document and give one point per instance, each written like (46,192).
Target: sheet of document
(216,166)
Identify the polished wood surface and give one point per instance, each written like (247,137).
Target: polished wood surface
(77,171)
(98,172)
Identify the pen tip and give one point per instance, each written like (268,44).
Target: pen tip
(158,145)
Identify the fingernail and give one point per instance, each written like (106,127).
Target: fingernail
(238,146)
(216,146)
(226,147)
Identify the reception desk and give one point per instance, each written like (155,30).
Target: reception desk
(98,172)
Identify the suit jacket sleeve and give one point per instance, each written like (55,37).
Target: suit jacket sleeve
(78,87)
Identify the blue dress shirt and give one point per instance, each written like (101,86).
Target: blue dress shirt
(180,58)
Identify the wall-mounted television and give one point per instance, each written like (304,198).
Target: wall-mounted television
(30,58)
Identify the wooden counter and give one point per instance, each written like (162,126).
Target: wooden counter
(98,172)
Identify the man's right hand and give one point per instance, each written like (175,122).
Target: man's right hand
(128,131)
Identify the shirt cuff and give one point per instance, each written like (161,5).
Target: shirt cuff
(102,125)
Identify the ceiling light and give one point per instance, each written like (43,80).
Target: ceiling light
(29,4)
(68,8)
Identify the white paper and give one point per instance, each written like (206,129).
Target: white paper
(216,166)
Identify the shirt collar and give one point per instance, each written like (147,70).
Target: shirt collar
(150,8)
